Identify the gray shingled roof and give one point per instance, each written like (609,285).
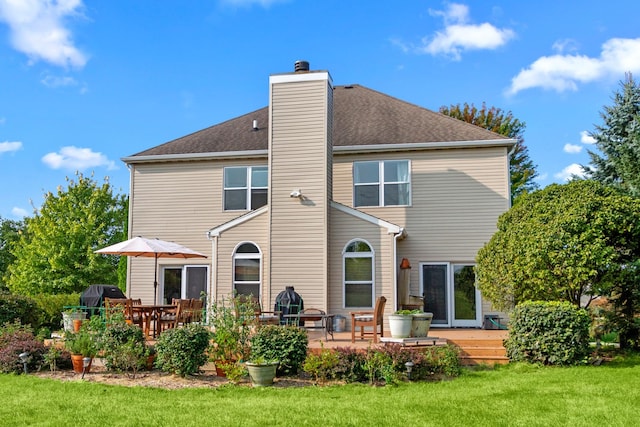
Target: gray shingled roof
(362,116)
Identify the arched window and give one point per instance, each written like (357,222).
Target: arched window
(247,260)
(358,273)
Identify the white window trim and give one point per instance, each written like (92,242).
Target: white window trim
(248,188)
(372,255)
(381,183)
(235,255)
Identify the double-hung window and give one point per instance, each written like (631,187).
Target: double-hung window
(382,183)
(245,187)
(246,270)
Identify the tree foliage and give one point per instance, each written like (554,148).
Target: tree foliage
(618,140)
(55,254)
(562,243)
(9,234)
(522,170)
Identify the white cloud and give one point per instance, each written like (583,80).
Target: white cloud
(459,35)
(569,172)
(74,158)
(586,138)
(541,177)
(565,72)
(10,146)
(19,212)
(54,81)
(572,148)
(37,29)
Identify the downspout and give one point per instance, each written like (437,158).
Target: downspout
(213,285)
(397,237)
(129,222)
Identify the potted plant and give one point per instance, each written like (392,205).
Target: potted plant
(81,345)
(400,323)
(69,316)
(261,371)
(420,323)
(232,322)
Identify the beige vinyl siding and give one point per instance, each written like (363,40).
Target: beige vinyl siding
(177,202)
(345,228)
(254,231)
(456,198)
(299,151)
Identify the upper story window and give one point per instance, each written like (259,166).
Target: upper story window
(245,187)
(383,183)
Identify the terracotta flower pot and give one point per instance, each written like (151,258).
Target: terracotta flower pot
(77,361)
(77,324)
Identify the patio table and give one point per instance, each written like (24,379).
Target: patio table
(326,322)
(152,312)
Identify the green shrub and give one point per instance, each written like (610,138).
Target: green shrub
(19,308)
(51,307)
(286,344)
(123,347)
(350,367)
(551,333)
(321,365)
(379,367)
(440,359)
(15,339)
(182,351)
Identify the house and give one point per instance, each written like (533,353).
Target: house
(326,189)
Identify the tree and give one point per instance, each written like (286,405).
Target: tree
(56,253)
(618,139)
(9,234)
(568,242)
(521,169)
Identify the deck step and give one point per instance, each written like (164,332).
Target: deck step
(481,351)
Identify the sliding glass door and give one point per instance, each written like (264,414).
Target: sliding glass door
(450,294)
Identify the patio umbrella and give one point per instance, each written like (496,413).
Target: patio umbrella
(152,248)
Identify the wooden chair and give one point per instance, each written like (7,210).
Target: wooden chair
(118,305)
(172,317)
(195,310)
(371,319)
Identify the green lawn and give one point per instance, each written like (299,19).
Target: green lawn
(518,395)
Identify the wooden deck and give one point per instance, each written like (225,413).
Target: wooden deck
(477,346)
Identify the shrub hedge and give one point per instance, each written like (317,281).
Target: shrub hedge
(286,344)
(182,351)
(16,338)
(548,332)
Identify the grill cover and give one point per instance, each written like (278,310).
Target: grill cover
(94,295)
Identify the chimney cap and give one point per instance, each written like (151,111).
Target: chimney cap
(301,66)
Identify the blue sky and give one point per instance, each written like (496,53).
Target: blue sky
(84,83)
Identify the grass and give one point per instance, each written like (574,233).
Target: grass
(515,395)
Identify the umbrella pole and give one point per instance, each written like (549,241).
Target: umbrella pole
(155,280)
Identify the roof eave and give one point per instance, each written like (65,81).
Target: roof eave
(350,149)
(154,158)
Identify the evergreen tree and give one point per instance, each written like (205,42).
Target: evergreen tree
(522,170)
(618,141)
(56,252)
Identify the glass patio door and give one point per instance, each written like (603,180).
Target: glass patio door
(181,282)
(450,294)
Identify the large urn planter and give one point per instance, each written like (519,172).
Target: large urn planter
(420,324)
(262,374)
(400,325)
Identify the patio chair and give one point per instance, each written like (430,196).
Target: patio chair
(172,317)
(372,319)
(262,317)
(119,305)
(195,310)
